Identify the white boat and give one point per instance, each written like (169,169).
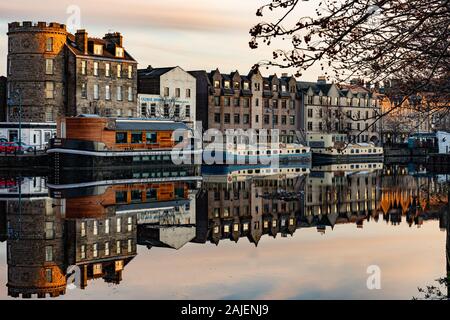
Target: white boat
(334,148)
(243,154)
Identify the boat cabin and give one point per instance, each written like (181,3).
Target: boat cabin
(114,134)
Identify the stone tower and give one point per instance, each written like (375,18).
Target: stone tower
(36,67)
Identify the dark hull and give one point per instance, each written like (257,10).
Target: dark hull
(319,159)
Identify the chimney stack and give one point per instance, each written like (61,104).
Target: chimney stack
(322,80)
(81,39)
(115,38)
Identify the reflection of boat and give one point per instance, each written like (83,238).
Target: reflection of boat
(259,154)
(349,167)
(130,174)
(334,148)
(239,172)
(88,141)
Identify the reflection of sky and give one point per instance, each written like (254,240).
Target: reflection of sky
(306,266)
(3,270)
(194,34)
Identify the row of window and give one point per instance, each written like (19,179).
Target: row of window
(107,70)
(236,101)
(106,249)
(107,226)
(177,92)
(167,111)
(256,87)
(338,114)
(246,119)
(337,127)
(245,226)
(107,92)
(268,103)
(334,101)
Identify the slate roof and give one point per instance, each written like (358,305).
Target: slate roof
(108,51)
(139,124)
(153,72)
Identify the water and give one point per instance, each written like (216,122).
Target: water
(299,233)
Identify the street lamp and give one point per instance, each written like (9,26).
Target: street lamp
(18,95)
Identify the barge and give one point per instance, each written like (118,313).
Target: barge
(260,154)
(90,141)
(335,148)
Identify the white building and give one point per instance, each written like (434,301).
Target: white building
(34,134)
(168,93)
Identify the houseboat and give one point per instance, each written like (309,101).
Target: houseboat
(259,154)
(335,148)
(92,141)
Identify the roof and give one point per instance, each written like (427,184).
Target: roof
(316,87)
(107,53)
(140,124)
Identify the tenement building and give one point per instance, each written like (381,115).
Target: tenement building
(346,109)
(167,93)
(234,102)
(52,72)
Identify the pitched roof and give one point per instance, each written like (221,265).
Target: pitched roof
(107,50)
(153,72)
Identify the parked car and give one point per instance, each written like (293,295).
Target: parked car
(25,147)
(13,147)
(6,147)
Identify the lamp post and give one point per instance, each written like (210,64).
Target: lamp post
(18,95)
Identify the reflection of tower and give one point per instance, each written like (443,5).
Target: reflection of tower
(35,249)
(3,231)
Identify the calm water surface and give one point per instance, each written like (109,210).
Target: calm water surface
(166,234)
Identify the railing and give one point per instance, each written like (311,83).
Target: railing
(16,151)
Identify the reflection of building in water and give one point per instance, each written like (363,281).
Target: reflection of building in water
(248,207)
(94,228)
(169,223)
(417,198)
(344,193)
(35,249)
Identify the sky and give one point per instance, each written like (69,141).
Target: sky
(194,34)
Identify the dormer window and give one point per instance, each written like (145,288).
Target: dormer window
(119,52)
(275,88)
(247,86)
(216,84)
(283,88)
(236,85)
(98,49)
(227,85)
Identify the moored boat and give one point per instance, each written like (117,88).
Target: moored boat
(92,141)
(334,148)
(260,154)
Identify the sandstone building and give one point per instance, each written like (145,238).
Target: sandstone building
(234,101)
(58,73)
(346,109)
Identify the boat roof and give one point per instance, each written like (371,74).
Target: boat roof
(139,124)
